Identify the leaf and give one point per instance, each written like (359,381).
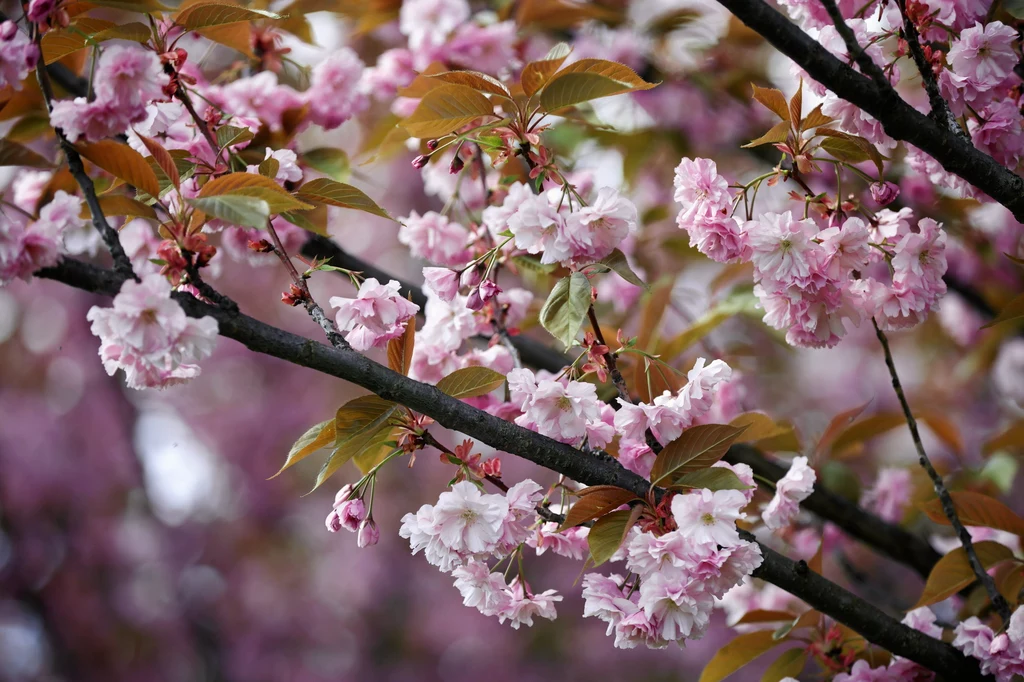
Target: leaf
(790,664)
(14,154)
(471,382)
(759,426)
(740,302)
(865,429)
(815,119)
(619,73)
(712,478)
(122,162)
(838,423)
(473,79)
(766,616)
(86,31)
(314,220)
(215,14)
(400,350)
(570,89)
(163,159)
(697,448)
(774,100)
(140,6)
(1013,310)
(235,209)
(737,654)
(316,437)
(237,36)
(269,167)
(331,162)
(594,502)
(360,426)
(617,262)
(257,186)
(536,74)
(796,106)
(566,308)
(229,136)
(332,193)
(445,109)
(975,509)
(953,572)
(118,204)
(776,135)
(1010,439)
(850,148)
(609,531)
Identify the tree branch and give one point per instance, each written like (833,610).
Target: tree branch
(900,120)
(948,508)
(449,412)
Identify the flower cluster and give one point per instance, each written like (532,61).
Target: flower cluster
(677,576)
(568,411)
(792,489)
(464,529)
(899,669)
(18,55)
(127,78)
(376,315)
(350,513)
(1002,655)
(810,279)
(147,334)
(28,246)
(667,415)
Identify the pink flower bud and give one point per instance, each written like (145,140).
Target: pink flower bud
(884,193)
(351,513)
(471,277)
(443,282)
(432,145)
(333,521)
(457,165)
(343,494)
(368,534)
(475,301)
(420,161)
(489,289)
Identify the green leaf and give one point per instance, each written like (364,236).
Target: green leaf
(445,109)
(361,426)
(473,79)
(712,478)
(256,186)
(86,31)
(850,148)
(229,136)
(235,208)
(608,532)
(790,664)
(737,654)
(953,572)
(533,264)
(316,437)
(14,154)
(331,162)
(596,501)
(697,448)
(570,89)
(740,302)
(617,262)
(215,14)
(332,193)
(269,167)
(1014,310)
(566,308)
(470,382)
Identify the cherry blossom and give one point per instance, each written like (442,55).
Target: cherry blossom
(18,55)
(790,490)
(376,315)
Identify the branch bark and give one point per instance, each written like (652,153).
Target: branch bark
(900,120)
(449,412)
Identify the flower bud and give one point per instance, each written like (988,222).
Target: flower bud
(333,521)
(351,513)
(368,534)
(432,145)
(472,276)
(884,193)
(343,494)
(475,300)
(420,161)
(457,165)
(489,289)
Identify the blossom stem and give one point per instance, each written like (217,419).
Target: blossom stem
(949,509)
(122,264)
(609,357)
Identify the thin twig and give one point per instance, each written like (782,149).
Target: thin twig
(948,508)
(122,263)
(314,310)
(857,53)
(609,357)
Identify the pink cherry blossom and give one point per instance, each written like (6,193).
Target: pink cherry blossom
(889,496)
(984,54)
(435,238)
(489,49)
(720,238)
(376,315)
(570,543)
(394,70)
(480,589)
(442,281)
(129,76)
(147,334)
(709,517)
(782,248)
(334,93)
(566,412)
(18,55)
(524,605)
(702,192)
(428,22)
(538,227)
(368,534)
(596,230)
(792,489)
(679,609)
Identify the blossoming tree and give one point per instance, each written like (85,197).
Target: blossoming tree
(863,186)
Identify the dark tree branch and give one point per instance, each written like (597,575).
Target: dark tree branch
(449,412)
(948,508)
(900,120)
(863,59)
